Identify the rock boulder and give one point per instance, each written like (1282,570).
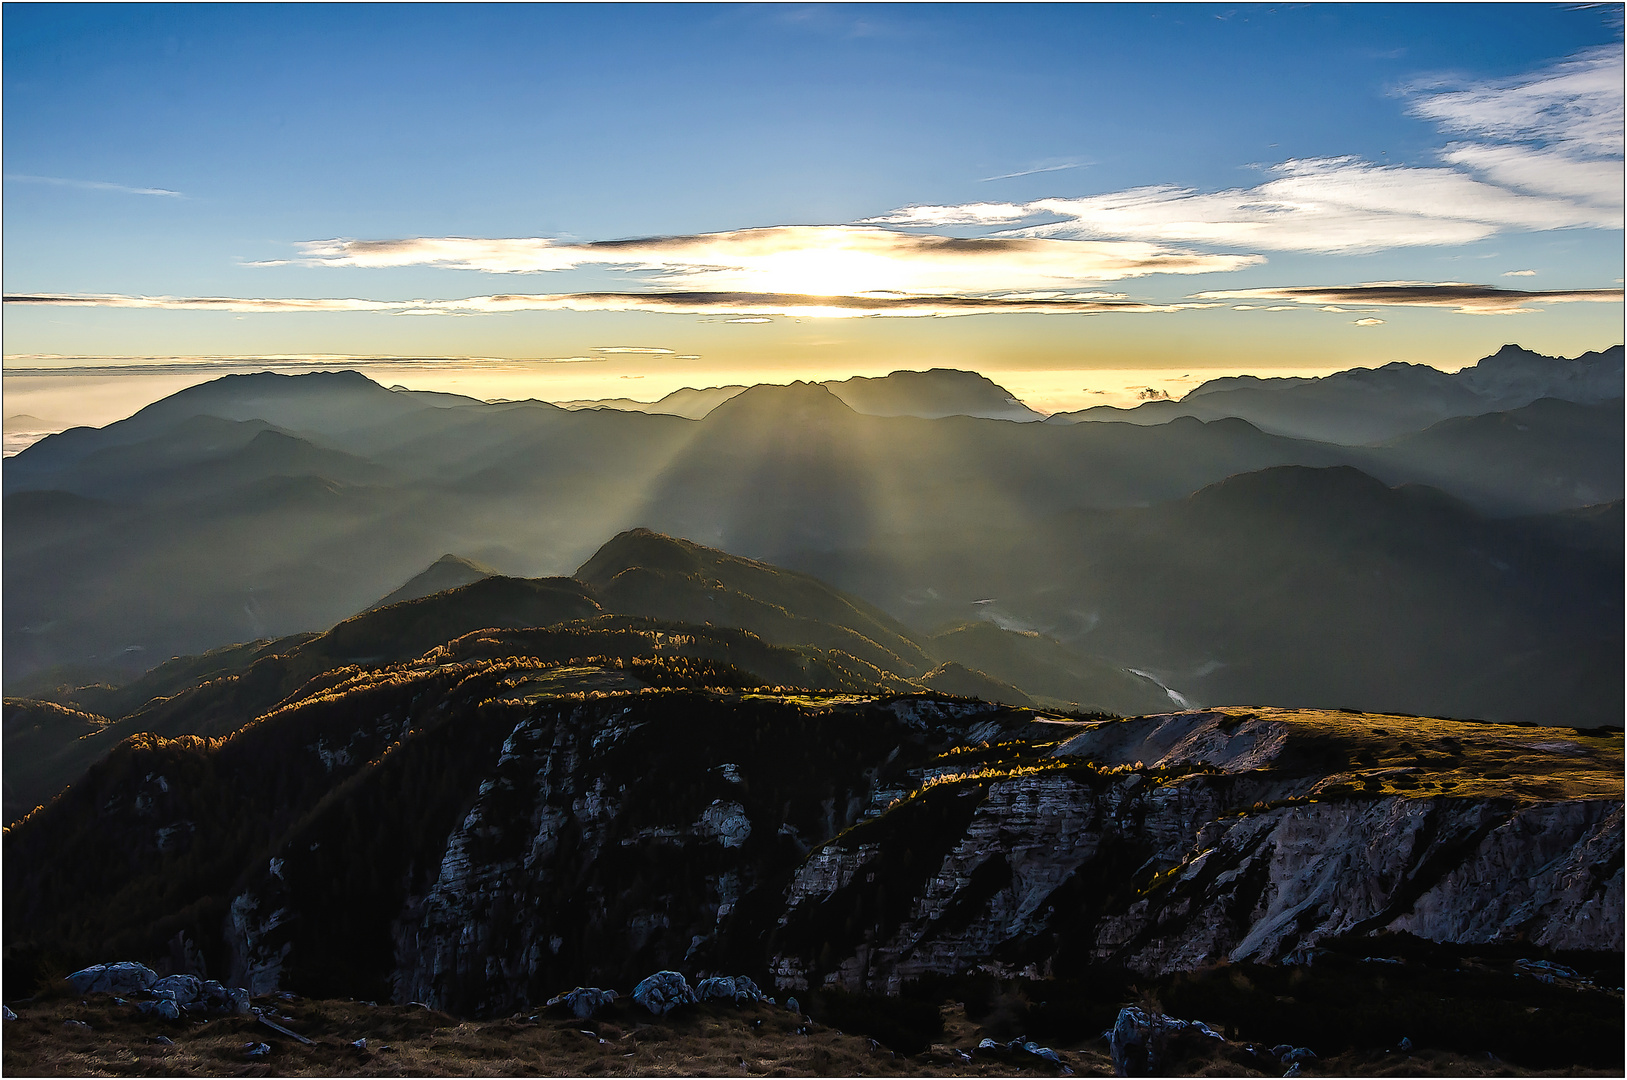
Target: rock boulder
(736,988)
(124,977)
(663,992)
(584,1001)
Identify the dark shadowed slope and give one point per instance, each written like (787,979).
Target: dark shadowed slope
(1298,586)
(1546,456)
(1054,674)
(645,573)
(1301,586)
(778,626)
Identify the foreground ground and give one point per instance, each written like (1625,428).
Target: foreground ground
(98,1036)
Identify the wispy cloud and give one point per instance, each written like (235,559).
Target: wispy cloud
(93,185)
(1468,299)
(944,216)
(208,303)
(1035,172)
(635,349)
(1576,104)
(757,305)
(1519,273)
(822,260)
(1329,205)
(47,365)
(1539,152)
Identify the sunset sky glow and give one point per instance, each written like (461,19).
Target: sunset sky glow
(597,201)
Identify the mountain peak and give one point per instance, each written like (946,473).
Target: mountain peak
(447,572)
(934,393)
(794,403)
(642,548)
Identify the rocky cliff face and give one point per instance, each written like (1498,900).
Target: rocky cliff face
(472,837)
(1214,852)
(1156,845)
(610,842)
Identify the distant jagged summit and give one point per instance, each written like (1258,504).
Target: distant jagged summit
(1514,376)
(1363,406)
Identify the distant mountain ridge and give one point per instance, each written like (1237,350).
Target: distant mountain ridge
(1369,405)
(259,507)
(777,625)
(930,394)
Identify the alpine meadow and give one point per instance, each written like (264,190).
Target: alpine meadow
(813,540)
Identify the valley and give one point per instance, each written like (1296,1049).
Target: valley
(985,757)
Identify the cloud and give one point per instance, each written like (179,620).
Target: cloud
(1576,104)
(1467,299)
(636,349)
(1538,152)
(207,303)
(677,302)
(1519,273)
(1328,205)
(1368,322)
(46,365)
(1034,172)
(823,260)
(94,185)
(966,214)
(1547,171)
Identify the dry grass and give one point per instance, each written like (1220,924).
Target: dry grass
(716,1040)
(1425,756)
(754,1040)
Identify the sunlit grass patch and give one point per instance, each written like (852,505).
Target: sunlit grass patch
(1348,753)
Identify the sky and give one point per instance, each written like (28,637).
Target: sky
(1083,202)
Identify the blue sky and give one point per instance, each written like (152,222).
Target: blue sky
(1149,182)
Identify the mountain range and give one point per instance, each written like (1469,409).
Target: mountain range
(928,394)
(1319,740)
(1370,405)
(260,506)
(776,626)
(567,798)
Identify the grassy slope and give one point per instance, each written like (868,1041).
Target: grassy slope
(714,1040)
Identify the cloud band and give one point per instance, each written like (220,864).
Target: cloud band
(679,303)
(1468,299)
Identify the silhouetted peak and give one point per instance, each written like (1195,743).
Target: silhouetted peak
(450,560)
(306,380)
(932,393)
(798,402)
(640,548)
(447,572)
(271,437)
